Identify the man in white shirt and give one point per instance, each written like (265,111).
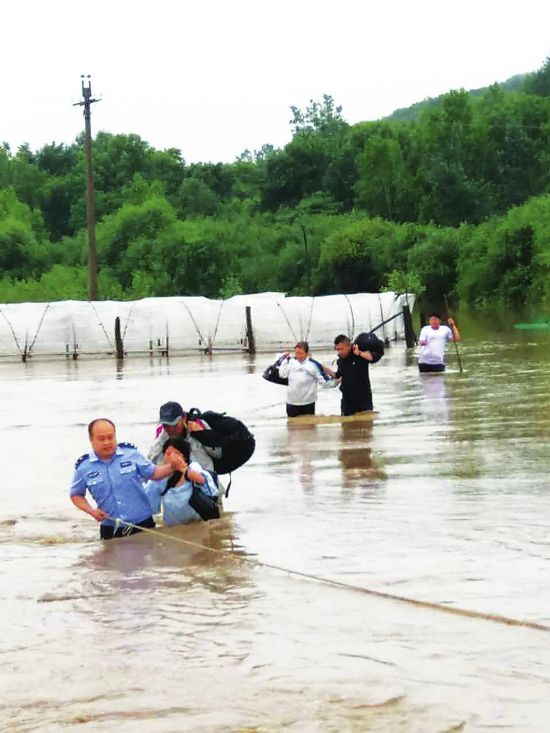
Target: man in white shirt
(433,339)
(304,375)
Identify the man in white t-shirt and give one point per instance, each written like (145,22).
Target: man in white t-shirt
(433,339)
(304,376)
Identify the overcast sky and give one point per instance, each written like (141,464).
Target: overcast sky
(213,77)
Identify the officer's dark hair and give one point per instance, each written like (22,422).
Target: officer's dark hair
(341,339)
(180,444)
(98,419)
(302,345)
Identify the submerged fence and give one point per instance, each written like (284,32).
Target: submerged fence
(178,325)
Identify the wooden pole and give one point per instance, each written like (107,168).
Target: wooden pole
(118,340)
(455,343)
(249,331)
(410,338)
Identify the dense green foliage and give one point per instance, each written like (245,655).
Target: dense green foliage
(453,201)
(516,83)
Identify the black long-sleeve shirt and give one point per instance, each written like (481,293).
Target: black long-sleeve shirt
(355,385)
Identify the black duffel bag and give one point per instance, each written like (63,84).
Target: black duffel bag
(370,342)
(272,373)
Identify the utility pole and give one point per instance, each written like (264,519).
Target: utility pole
(90,212)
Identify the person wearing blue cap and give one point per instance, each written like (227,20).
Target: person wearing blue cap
(112,473)
(174,422)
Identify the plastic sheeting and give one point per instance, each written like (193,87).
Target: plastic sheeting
(189,324)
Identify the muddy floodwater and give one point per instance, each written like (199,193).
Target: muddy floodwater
(444,498)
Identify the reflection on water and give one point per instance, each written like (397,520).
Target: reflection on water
(302,450)
(443,498)
(359,466)
(434,401)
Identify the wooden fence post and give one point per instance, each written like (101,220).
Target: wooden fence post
(118,340)
(249,331)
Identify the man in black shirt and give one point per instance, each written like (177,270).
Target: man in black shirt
(353,372)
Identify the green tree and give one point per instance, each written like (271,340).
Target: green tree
(356,258)
(384,182)
(433,261)
(324,118)
(539,82)
(21,253)
(125,240)
(196,198)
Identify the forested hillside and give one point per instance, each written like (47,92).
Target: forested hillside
(455,201)
(516,83)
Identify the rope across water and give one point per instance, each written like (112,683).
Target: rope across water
(431,605)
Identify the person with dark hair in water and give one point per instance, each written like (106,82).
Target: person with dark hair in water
(432,340)
(191,493)
(218,441)
(304,374)
(353,372)
(174,422)
(112,473)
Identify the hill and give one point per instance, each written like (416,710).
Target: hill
(406,114)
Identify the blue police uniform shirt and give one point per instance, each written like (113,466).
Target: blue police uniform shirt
(115,485)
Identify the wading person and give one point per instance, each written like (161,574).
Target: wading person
(432,340)
(112,473)
(304,375)
(174,422)
(218,442)
(353,372)
(188,494)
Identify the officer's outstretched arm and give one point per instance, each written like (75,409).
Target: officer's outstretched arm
(162,471)
(82,503)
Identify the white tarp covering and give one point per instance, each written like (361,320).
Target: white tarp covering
(180,324)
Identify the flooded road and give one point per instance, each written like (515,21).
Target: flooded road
(444,499)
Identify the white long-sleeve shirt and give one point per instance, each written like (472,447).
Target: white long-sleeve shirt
(303,380)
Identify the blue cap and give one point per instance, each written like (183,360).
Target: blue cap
(171,413)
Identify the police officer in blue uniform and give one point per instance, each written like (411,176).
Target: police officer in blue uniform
(112,473)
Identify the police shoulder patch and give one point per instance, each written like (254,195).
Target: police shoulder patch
(81,459)
(127,445)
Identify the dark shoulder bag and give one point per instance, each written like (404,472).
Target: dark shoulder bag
(205,506)
(272,373)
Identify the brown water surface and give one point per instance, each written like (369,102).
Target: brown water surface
(444,498)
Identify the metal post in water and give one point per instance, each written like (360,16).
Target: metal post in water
(249,331)
(118,340)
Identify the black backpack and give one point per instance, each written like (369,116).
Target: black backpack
(229,434)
